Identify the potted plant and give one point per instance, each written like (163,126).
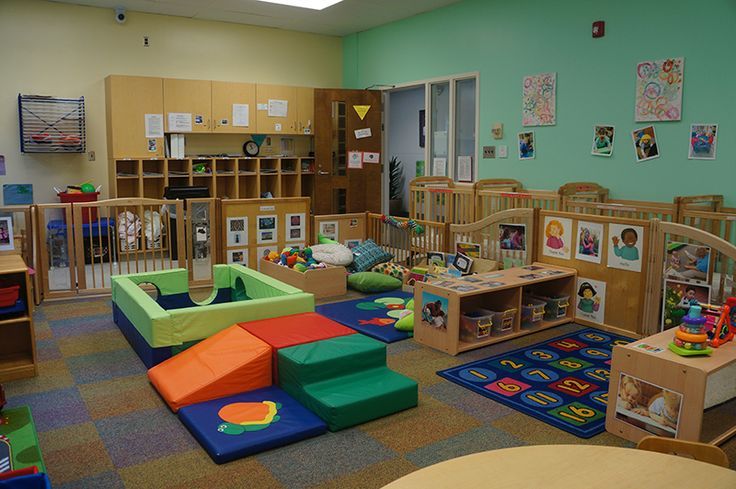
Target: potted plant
(395,186)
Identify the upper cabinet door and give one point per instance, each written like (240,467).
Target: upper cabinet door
(233,107)
(305,110)
(189,99)
(277,109)
(129,99)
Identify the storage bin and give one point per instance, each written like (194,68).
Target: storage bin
(532,311)
(476,325)
(503,321)
(9,295)
(556,307)
(89,215)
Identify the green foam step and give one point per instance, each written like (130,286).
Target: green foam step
(326,359)
(356,398)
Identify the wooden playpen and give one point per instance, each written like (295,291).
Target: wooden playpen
(440,199)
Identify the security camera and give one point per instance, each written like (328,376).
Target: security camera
(120,15)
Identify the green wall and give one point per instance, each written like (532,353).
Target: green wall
(505,40)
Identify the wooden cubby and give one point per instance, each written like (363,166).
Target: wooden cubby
(549,280)
(233,178)
(17,339)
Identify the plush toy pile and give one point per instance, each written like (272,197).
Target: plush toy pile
(299,260)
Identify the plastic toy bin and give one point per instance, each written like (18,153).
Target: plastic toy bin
(503,321)
(476,325)
(557,306)
(532,311)
(9,295)
(87,215)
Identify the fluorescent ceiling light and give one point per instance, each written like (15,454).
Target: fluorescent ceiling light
(313,4)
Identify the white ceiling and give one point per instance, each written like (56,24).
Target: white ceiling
(344,18)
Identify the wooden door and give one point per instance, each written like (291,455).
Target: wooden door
(305,110)
(192,97)
(340,189)
(228,101)
(129,99)
(273,101)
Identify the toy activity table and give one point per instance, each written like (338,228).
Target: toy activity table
(440,304)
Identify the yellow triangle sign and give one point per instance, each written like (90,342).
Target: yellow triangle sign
(362,110)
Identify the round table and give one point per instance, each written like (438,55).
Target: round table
(566,467)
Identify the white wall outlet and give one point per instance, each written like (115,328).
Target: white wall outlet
(503,151)
(91,156)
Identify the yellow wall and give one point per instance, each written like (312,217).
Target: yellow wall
(65,50)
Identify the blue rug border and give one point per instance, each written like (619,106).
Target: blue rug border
(585,434)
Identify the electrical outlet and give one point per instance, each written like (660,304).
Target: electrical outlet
(146,42)
(91,156)
(489,152)
(503,151)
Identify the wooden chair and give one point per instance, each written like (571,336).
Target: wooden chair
(690,449)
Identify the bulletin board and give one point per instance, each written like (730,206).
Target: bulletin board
(348,228)
(624,288)
(251,227)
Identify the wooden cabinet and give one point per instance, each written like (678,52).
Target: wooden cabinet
(17,339)
(225,95)
(129,99)
(189,97)
(270,98)
(305,110)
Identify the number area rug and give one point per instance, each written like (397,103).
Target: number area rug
(373,315)
(562,381)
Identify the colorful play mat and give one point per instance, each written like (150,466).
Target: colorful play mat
(373,315)
(562,381)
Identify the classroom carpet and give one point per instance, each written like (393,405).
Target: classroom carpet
(562,381)
(101,425)
(372,315)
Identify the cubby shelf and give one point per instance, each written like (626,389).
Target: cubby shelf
(17,338)
(234,178)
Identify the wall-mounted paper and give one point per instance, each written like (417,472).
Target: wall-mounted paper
(363,133)
(154,125)
(17,194)
(180,122)
(3,171)
(465,168)
(278,108)
(261,106)
(241,115)
(371,157)
(439,167)
(355,159)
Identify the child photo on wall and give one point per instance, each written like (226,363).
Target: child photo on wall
(590,236)
(703,139)
(590,301)
(526,145)
(648,406)
(512,237)
(603,140)
(687,261)
(677,299)
(624,247)
(645,144)
(557,237)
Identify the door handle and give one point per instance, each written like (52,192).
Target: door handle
(322,172)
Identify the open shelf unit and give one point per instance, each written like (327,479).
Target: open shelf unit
(476,292)
(233,178)
(17,338)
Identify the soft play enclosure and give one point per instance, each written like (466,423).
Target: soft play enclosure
(160,328)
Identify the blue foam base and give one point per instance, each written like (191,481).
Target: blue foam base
(32,481)
(295,423)
(363,320)
(149,356)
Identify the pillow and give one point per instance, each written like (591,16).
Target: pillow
(332,254)
(372,282)
(393,269)
(322,239)
(406,322)
(367,254)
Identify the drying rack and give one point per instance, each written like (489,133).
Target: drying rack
(51,125)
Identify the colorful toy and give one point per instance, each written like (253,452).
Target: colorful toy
(299,260)
(690,337)
(724,329)
(410,224)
